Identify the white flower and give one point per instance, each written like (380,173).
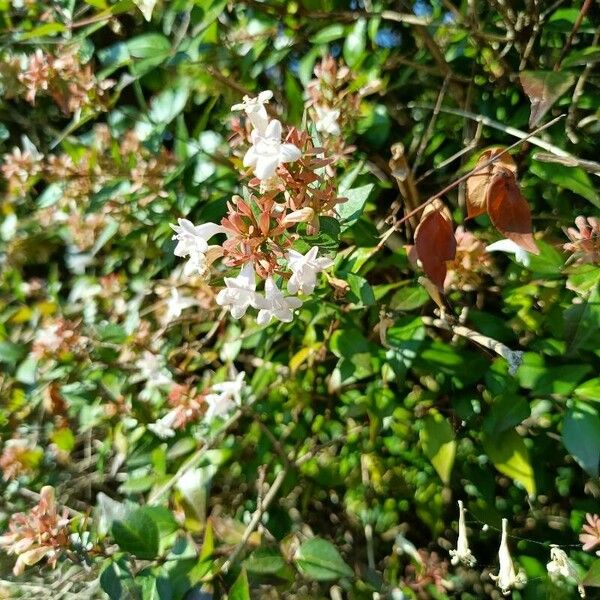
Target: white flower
(268,152)
(192,242)
(255,109)
(275,304)
(193,238)
(507,578)
(561,566)
(508,246)
(305,268)
(239,293)
(327,120)
(462,553)
(163,428)
(226,395)
(48,337)
(176,304)
(151,368)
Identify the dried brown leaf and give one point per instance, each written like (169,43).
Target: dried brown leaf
(509,211)
(477,184)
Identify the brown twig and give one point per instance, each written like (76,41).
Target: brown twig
(582,12)
(458,181)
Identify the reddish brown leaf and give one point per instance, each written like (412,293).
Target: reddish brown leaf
(544,88)
(477,184)
(509,211)
(435,244)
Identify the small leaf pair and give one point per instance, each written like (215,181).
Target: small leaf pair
(495,190)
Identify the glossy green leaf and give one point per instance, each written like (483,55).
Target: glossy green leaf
(581,436)
(439,445)
(320,560)
(510,456)
(137,534)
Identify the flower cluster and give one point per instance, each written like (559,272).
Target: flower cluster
(187,406)
(585,240)
(590,534)
(61,76)
(96,165)
(334,103)
(262,230)
(42,533)
(18,457)
(56,338)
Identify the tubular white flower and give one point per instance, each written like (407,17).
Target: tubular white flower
(192,242)
(268,152)
(176,304)
(275,305)
(507,578)
(226,396)
(462,553)
(163,428)
(240,292)
(508,246)
(255,109)
(193,238)
(327,120)
(305,268)
(560,565)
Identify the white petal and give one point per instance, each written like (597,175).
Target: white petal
(247,276)
(250,157)
(273,130)
(265,96)
(289,153)
(264,316)
(503,246)
(266,166)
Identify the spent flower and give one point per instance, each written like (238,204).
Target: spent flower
(507,578)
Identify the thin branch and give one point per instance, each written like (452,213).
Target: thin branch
(582,12)
(513,357)
(458,181)
(255,520)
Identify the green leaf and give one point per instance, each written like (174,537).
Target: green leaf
(320,560)
(240,590)
(544,88)
(570,178)
(137,534)
(46,30)
(361,293)
(439,445)
(581,436)
(582,323)
(409,298)
(328,237)
(11,353)
(266,561)
(582,57)
(110,582)
(351,210)
(510,456)
(355,43)
(592,577)
(506,412)
(328,34)
(589,390)
(168,104)
(148,45)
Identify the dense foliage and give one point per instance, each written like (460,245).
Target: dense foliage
(267,351)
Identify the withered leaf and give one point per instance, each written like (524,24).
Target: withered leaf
(544,88)
(509,211)
(477,184)
(435,244)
